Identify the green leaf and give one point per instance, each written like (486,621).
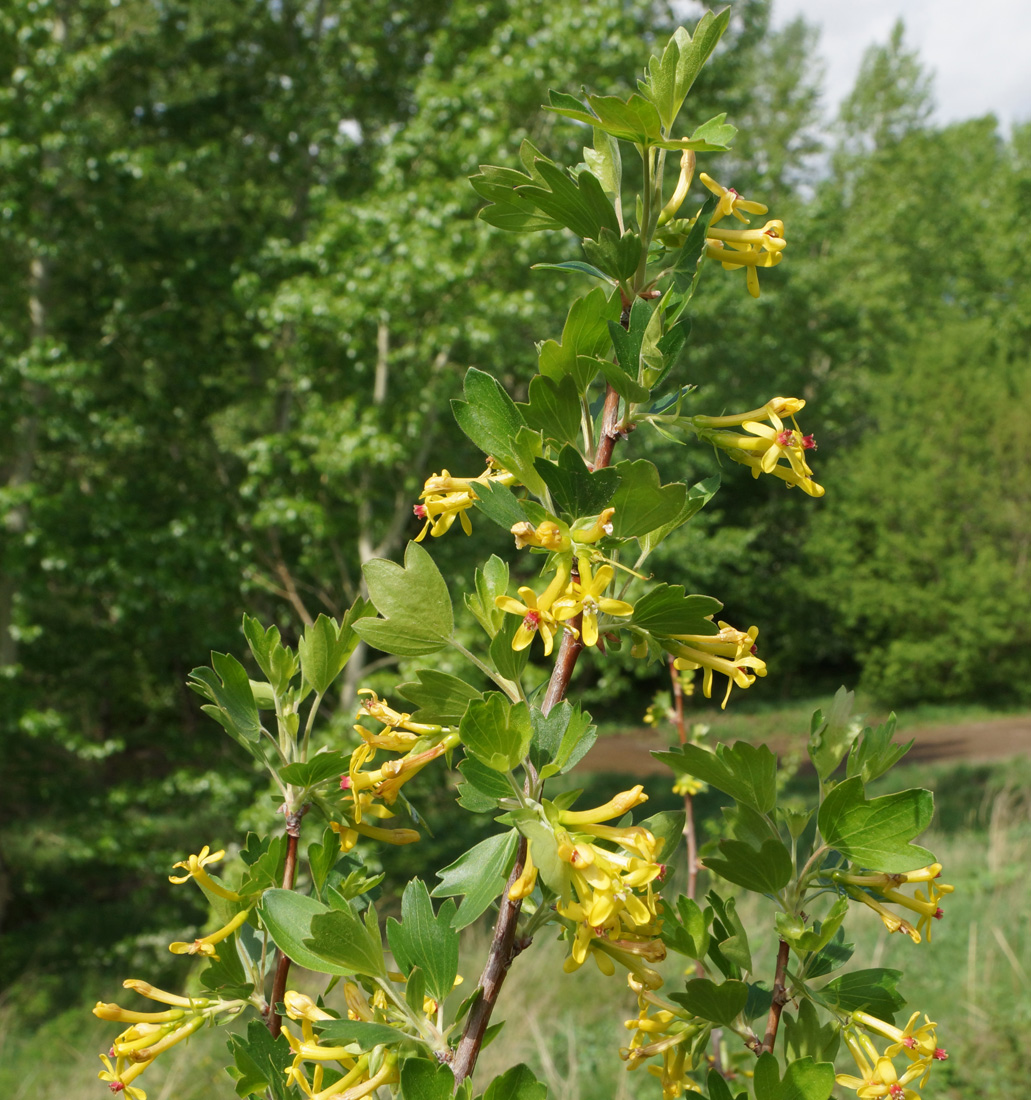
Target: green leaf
(803,1080)
(585,333)
(322,858)
(496,731)
(324,650)
(634,119)
(424,939)
(606,162)
(686,931)
(321,767)
(765,870)
(517,1083)
(615,255)
(440,698)
(666,609)
(509,210)
(342,938)
(498,504)
(729,940)
(714,136)
(720,1003)
(671,77)
(422,1079)
(576,490)
(260,1062)
(760,997)
(561,739)
(805,1036)
(641,503)
(823,932)
(718,1087)
(876,833)
(508,661)
(288,915)
(875,752)
(873,990)
(628,388)
(582,206)
(831,956)
(367,1035)
(482,788)
(697,497)
(831,738)
(489,581)
(479,875)
(748,773)
(274,659)
(227,685)
(629,341)
(574,265)
(489,417)
(553,409)
(414,602)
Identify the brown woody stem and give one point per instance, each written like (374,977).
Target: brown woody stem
(780,996)
(503,945)
(293,833)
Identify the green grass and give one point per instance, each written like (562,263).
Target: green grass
(973,979)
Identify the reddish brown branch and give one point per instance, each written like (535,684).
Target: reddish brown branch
(780,996)
(503,950)
(293,832)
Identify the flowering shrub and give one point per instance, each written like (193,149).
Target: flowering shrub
(555,484)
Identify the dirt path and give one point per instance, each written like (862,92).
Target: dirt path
(996,739)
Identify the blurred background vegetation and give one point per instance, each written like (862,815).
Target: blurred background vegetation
(242,276)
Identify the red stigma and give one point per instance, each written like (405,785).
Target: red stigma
(116,1086)
(532,620)
(897,1091)
(940,1054)
(909,1041)
(754,650)
(786,438)
(662,873)
(419,510)
(809,443)
(938,914)
(345,782)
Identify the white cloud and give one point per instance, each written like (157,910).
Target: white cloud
(980,54)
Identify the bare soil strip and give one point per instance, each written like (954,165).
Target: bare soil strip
(976,742)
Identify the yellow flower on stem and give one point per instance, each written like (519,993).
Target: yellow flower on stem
(879,1078)
(687,166)
(206,945)
(585,597)
(886,887)
(917,1043)
(890,920)
(547,535)
(731,203)
(194,867)
(119,1077)
(445,498)
(536,611)
(730,652)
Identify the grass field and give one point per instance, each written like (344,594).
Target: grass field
(973,979)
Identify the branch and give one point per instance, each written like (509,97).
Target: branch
(689,830)
(293,832)
(780,996)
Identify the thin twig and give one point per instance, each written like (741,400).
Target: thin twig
(780,996)
(293,832)
(689,829)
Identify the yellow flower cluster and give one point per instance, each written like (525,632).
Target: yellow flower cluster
(569,593)
(748,248)
(364,1072)
(876,888)
(661,1028)
(611,907)
(374,790)
(445,498)
(878,1076)
(730,652)
(767,448)
(152,1033)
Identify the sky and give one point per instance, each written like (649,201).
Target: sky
(979,53)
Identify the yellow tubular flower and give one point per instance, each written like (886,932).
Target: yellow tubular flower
(731,203)
(917,1043)
(879,1077)
(524,884)
(687,166)
(585,597)
(206,945)
(446,498)
(119,1077)
(615,807)
(536,611)
(889,919)
(547,535)
(194,867)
